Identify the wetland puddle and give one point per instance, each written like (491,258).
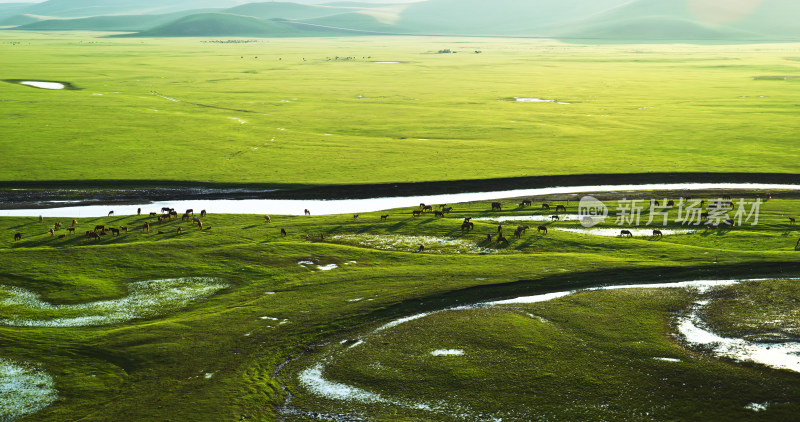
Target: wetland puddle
(346,206)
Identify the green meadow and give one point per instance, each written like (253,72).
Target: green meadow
(282,302)
(288,112)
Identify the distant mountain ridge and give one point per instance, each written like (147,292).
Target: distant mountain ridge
(609,20)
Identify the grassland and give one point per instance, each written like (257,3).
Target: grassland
(216,358)
(287,112)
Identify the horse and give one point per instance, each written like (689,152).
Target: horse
(522,228)
(267,219)
(355,217)
(416,213)
(421,248)
(61,236)
(306,212)
(57,225)
(658,233)
(502,239)
(517,233)
(467,225)
(190,211)
(199,225)
(123,228)
(74,222)
(497,206)
(671,203)
(283,232)
(71,229)
(654,203)
(438,214)
(561,208)
(448,209)
(110,213)
(489,237)
(161,218)
(499,228)
(791,220)
(165,209)
(114,232)
(527,202)
(384,217)
(554,217)
(138,211)
(442,206)
(203,213)
(99,227)
(421,205)
(17,236)
(51,232)
(427,208)
(195,220)
(179,231)
(541,229)
(185,217)
(92,235)
(153,214)
(467,219)
(626,233)
(146,227)
(546,207)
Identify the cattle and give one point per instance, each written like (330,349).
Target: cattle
(541,229)
(384,217)
(283,232)
(17,236)
(561,208)
(546,207)
(267,219)
(114,232)
(146,227)
(658,233)
(626,233)
(203,213)
(416,213)
(496,206)
(306,212)
(99,227)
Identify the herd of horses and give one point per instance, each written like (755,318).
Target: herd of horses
(466,226)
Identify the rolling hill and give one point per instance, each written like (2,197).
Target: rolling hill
(104,23)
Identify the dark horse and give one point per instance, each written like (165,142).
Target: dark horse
(541,229)
(658,233)
(626,233)
(497,206)
(17,236)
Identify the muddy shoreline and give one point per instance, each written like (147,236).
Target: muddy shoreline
(49,194)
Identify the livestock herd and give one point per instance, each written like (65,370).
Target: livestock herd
(167,214)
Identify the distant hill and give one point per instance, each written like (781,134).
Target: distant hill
(104,23)
(284,10)
(229,25)
(89,8)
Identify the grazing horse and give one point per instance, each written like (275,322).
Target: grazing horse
(421,205)
(41,219)
(190,211)
(421,248)
(438,214)
(114,232)
(283,232)
(671,203)
(306,212)
(165,209)
(442,206)
(522,228)
(172,213)
(546,207)
(554,217)
(195,220)
(502,239)
(203,213)
(791,220)
(161,218)
(467,219)
(517,233)
(110,213)
(467,225)
(561,208)
(123,228)
(99,227)
(153,214)
(74,222)
(138,211)
(427,208)
(200,225)
(384,217)
(416,213)
(17,236)
(527,202)
(626,233)
(179,231)
(447,209)
(541,229)
(267,219)
(654,203)
(51,232)
(658,233)
(185,217)
(146,227)
(92,235)
(497,206)
(71,230)
(355,217)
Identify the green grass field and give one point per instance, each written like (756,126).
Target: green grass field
(278,111)
(215,357)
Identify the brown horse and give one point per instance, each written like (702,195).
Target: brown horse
(161,218)
(447,209)
(92,235)
(554,217)
(671,203)
(438,214)
(283,232)
(416,213)
(427,208)
(517,233)
(546,207)
(190,211)
(74,222)
(146,227)
(114,232)
(185,217)
(561,208)
(421,248)
(71,230)
(384,217)
(203,213)
(200,225)
(658,233)
(467,225)
(123,228)
(526,202)
(99,227)
(306,212)
(497,206)
(791,220)
(626,233)
(57,225)
(17,236)
(541,229)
